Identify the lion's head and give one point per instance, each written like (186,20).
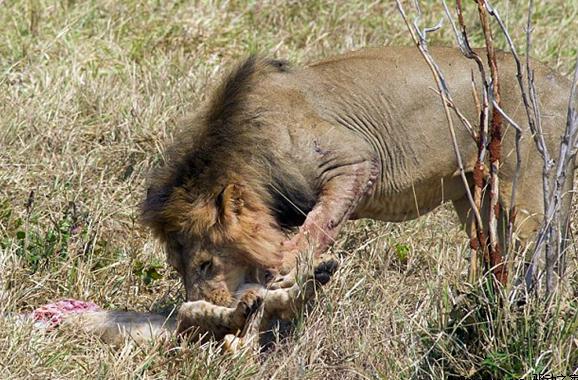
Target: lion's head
(214,203)
(217,241)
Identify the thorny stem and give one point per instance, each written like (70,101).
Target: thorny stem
(479,168)
(512,212)
(494,148)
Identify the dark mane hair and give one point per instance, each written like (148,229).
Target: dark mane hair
(213,144)
(229,98)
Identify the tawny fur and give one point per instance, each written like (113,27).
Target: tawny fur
(362,135)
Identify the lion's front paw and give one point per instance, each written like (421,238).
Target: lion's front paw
(248,304)
(324,268)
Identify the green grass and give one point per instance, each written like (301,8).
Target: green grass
(89,93)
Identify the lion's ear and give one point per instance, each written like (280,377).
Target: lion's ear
(230,203)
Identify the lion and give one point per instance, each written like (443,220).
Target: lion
(280,157)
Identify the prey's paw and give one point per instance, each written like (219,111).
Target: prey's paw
(248,304)
(190,317)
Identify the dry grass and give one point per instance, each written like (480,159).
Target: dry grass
(89,91)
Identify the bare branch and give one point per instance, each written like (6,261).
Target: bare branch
(478,241)
(550,233)
(495,145)
(512,212)
(419,38)
(505,116)
(479,167)
(465,122)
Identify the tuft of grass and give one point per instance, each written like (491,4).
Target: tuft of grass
(89,91)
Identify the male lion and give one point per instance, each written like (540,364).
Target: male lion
(360,135)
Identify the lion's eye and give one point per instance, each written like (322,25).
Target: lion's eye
(206,267)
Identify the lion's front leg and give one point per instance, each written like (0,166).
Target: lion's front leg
(338,200)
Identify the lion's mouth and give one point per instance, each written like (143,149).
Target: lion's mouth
(259,276)
(268,276)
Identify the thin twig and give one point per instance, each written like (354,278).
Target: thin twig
(465,122)
(419,37)
(549,233)
(483,107)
